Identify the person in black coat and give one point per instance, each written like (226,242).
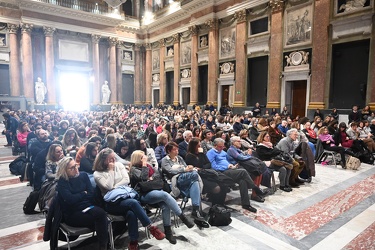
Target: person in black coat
(11,125)
(76,197)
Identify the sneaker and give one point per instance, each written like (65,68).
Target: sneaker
(133,245)
(159,235)
(250,208)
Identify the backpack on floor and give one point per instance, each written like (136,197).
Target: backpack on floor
(353,163)
(365,157)
(219,216)
(17,167)
(30,203)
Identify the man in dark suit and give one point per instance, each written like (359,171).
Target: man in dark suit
(182,146)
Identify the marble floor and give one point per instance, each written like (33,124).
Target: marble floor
(335,211)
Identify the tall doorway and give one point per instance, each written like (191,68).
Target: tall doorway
(299,98)
(156,97)
(185,100)
(225,95)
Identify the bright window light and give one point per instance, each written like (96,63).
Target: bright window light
(74,91)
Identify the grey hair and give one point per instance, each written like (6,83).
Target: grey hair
(234,138)
(186,133)
(218,140)
(291,131)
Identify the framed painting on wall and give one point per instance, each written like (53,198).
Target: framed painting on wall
(185,52)
(227,46)
(298,25)
(156,59)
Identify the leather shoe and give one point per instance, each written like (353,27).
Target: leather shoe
(298,180)
(286,189)
(250,208)
(257,198)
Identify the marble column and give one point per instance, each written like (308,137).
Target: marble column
(50,65)
(137,75)
(148,73)
(276,53)
(112,69)
(371,70)
(96,89)
(14,61)
(241,58)
(213,55)
(119,73)
(320,38)
(27,61)
(162,71)
(176,68)
(194,66)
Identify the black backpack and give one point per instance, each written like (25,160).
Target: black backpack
(17,167)
(219,216)
(30,203)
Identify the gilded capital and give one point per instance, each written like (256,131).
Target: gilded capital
(212,23)
(95,38)
(277,5)
(162,42)
(176,38)
(193,30)
(113,41)
(12,28)
(240,16)
(48,31)
(26,27)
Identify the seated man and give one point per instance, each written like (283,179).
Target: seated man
(287,145)
(219,162)
(245,160)
(182,146)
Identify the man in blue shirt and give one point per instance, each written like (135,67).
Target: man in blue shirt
(219,162)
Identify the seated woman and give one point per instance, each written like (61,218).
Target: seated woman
(245,140)
(54,155)
(329,144)
(216,191)
(110,175)
(140,144)
(87,161)
(23,131)
(75,195)
(275,134)
(266,152)
(310,133)
(206,142)
(141,171)
(255,168)
(71,142)
(187,181)
(162,140)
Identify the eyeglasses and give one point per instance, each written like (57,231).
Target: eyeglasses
(74,167)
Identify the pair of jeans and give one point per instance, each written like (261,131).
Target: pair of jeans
(189,186)
(95,217)
(131,210)
(165,201)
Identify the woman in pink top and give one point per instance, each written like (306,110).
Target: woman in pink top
(23,131)
(329,144)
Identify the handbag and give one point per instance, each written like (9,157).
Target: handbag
(219,216)
(283,160)
(148,186)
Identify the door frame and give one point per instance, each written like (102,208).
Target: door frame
(286,86)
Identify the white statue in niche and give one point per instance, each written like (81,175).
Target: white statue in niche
(106,93)
(203,41)
(40,91)
(170,52)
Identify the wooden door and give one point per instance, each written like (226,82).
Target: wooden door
(225,95)
(299,98)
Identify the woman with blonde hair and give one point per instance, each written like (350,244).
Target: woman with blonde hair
(111,176)
(54,155)
(76,198)
(140,172)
